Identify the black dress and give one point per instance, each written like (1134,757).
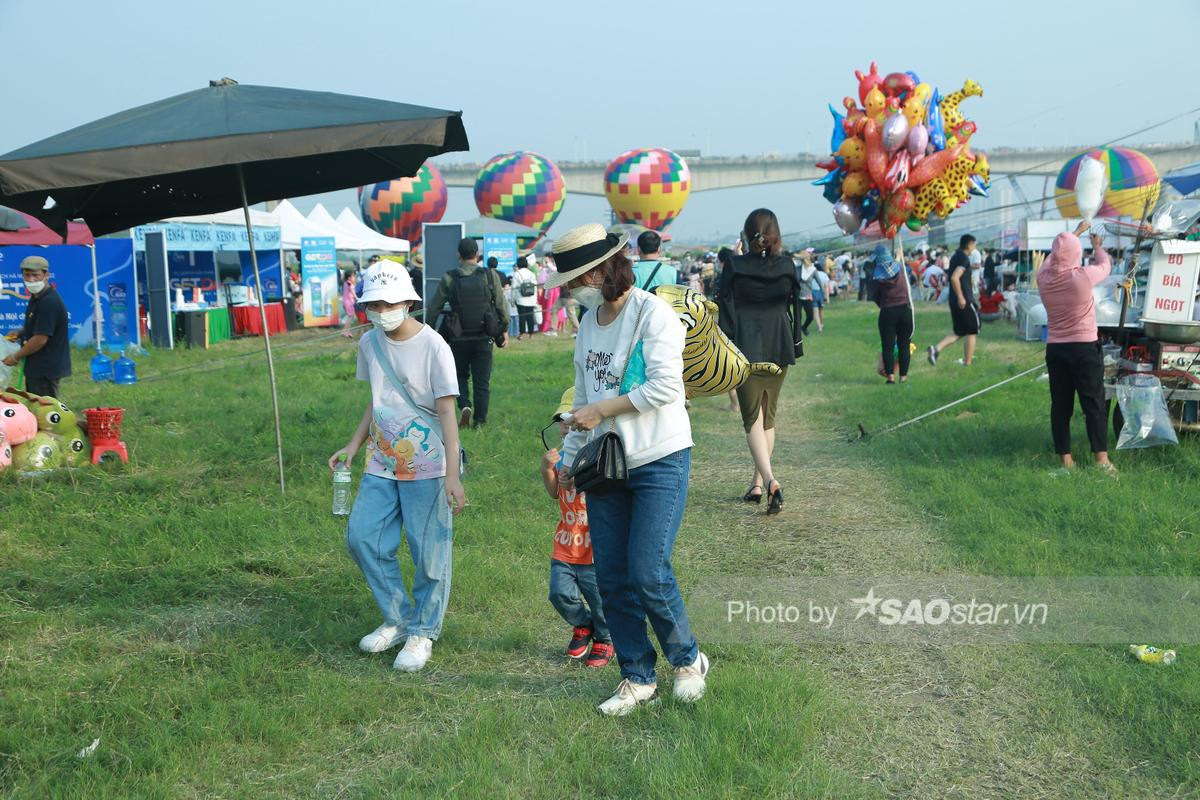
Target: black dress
(759,301)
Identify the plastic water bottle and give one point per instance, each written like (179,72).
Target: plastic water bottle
(341,490)
(124,371)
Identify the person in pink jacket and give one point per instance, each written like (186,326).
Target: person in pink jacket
(1073,358)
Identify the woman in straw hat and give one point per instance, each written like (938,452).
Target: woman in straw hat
(629,379)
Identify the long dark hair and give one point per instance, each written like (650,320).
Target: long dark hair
(762,233)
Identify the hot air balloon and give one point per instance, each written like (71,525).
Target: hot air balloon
(647,187)
(1132,179)
(521,187)
(399,207)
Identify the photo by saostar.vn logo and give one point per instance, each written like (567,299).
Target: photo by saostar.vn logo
(940,611)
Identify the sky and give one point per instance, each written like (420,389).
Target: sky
(574,80)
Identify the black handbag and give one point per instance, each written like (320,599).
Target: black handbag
(600,466)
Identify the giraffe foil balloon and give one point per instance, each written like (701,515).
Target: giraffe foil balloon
(909,147)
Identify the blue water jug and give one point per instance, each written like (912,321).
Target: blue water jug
(102,368)
(125,371)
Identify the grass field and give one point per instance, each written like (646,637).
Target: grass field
(204,628)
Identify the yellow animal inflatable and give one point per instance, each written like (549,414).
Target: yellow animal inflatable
(712,365)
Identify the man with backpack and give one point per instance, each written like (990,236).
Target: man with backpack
(650,270)
(478,316)
(525,290)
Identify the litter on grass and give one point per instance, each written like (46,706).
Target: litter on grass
(91,748)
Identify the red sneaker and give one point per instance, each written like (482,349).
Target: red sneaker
(602,653)
(580,636)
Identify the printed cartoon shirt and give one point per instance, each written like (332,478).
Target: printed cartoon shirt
(402,446)
(572,542)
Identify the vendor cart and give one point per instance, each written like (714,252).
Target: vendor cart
(1165,341)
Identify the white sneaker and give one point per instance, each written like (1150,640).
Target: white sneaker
(415,654)
(689,680)
(629,695)
(385,637)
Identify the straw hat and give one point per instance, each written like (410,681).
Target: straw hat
(580,249)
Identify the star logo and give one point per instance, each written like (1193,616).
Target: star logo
(868,604)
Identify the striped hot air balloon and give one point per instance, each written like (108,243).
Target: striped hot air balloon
(521,187)
(647,187)
(399,207)
(1132,179)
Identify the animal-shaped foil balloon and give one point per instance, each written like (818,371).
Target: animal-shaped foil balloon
(712,364)
(5,451)
(76,449)
(42,452)
(53,416)
(18,422)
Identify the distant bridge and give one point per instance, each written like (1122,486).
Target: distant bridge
(713,173)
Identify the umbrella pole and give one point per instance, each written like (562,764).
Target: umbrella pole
(262,310)
(96,304)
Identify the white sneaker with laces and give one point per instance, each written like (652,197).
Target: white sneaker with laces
(415,654)
(385,637)
(690,680)
(629,695)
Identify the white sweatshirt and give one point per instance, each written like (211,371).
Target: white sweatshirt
(660,426)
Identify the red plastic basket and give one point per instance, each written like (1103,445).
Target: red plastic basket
(104,424)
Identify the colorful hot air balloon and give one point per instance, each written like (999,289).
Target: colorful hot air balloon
(525,188)
(647,187)
(1132,179)
(399,207)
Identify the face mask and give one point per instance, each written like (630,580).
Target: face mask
(35,287)
(588,296)
(388,320)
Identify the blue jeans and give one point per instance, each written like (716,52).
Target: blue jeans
(384,507)
(514,326)
(633,530)
(570,586)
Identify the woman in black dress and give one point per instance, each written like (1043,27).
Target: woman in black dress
(759,301)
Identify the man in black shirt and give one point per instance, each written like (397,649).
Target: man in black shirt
(43,338)
(963,312)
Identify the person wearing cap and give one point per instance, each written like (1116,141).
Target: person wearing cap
(412,481)
(44,341)
(472,348)
(649,270)
(889,290)
(629,381)
(573,590)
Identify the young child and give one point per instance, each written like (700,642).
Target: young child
(412,479)
(572,575)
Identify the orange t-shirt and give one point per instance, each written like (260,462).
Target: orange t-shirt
(572,542)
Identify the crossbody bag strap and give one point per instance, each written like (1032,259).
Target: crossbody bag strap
(637,325)
(650,280)
(386,366)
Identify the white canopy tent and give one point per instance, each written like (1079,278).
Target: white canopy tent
(346,238)
(350,221)
(294,226)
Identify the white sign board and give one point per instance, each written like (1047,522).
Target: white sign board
(1171,286)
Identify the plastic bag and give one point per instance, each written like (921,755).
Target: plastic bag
(1089,187)
(635,370)
(1147,422)
(7,348)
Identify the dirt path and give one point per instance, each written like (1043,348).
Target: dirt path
(939,722)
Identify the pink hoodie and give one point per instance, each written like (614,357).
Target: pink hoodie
(1066,289)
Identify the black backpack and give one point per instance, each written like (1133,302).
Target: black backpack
(527,288)
(472,307)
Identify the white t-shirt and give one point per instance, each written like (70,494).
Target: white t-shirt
(660,426)
(401,445)
(932,273)
(521,276)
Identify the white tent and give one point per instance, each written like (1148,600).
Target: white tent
(294,226)
(350,221)
(259,219)
(346,239)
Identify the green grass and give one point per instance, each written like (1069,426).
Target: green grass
(205,629)
(981,472)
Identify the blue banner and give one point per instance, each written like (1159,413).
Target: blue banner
(71,276)
(318,276)
(207,236)
(503,247)
(268,271)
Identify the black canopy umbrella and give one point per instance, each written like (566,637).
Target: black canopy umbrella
(218,148)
